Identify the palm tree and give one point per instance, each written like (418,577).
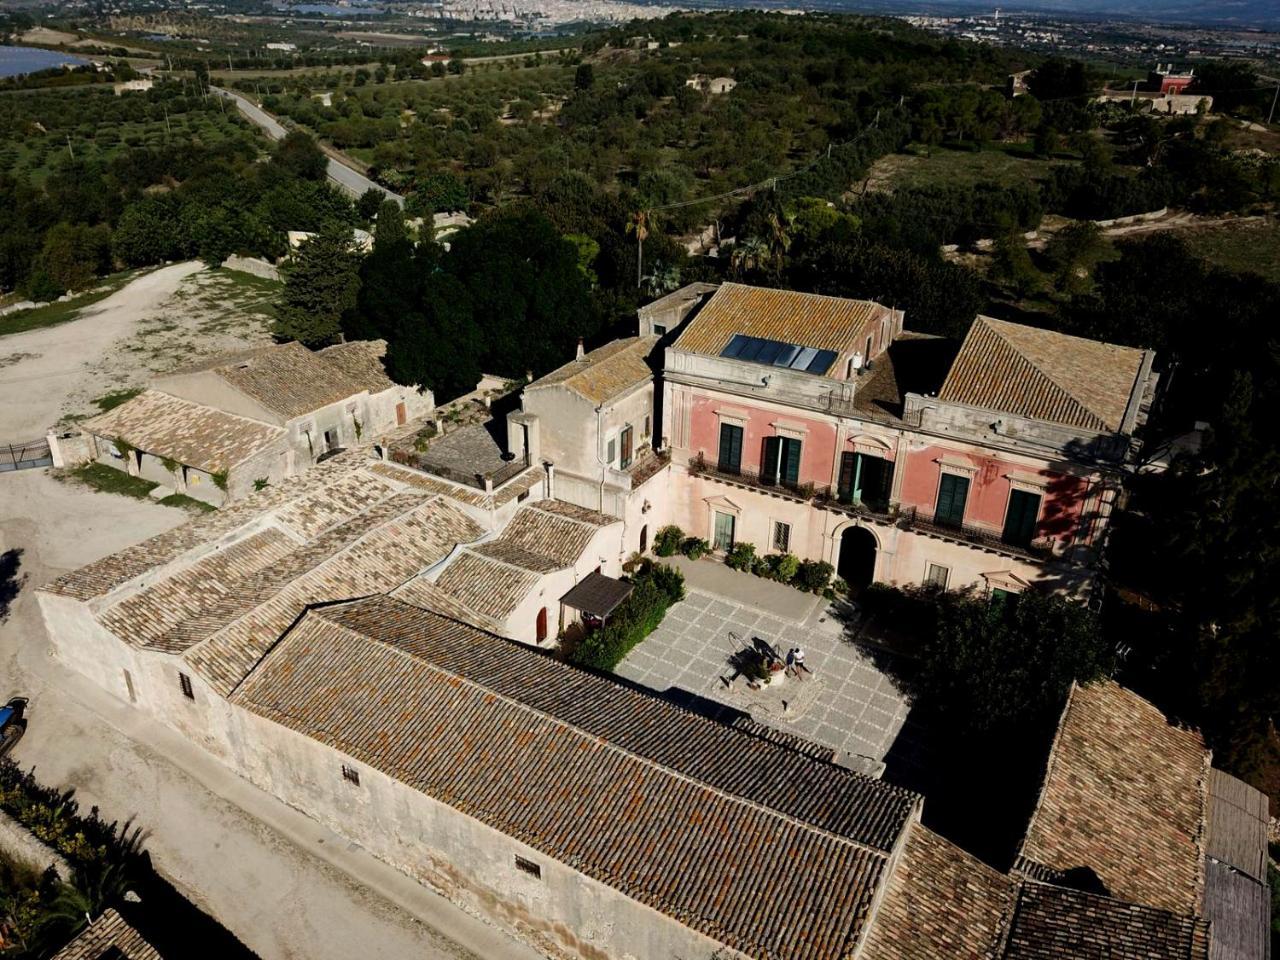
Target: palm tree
(748,254)
(663,279)
(779,241)
(639,225)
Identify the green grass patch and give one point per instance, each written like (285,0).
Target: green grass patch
(110,401)
(57,313)
(1008,164)
(106,479)
(1242,247)
(187,503)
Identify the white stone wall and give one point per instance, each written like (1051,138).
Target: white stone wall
(564,913)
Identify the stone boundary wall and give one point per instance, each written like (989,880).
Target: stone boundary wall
(20,844)
(252,265)
(1135,218)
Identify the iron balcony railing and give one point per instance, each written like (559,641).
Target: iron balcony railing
(701,466)
(913,518)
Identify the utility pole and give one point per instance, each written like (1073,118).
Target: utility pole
(1134,99)
(1271,115)
(69,150)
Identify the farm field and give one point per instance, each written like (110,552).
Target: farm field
(40,129)
(1246,247)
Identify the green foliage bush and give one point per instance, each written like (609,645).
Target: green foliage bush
(741,557)
(695,548)
(813,575)
(667,541)
(654,590)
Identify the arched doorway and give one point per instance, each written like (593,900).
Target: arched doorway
(857,562)
(644,538)
(542,625)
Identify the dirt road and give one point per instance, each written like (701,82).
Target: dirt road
(40,370)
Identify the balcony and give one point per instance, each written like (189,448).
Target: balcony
(647,465)
(924,522)
(878,512)
(701,467)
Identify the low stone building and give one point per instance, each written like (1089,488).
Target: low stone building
(592,421)
(218,429)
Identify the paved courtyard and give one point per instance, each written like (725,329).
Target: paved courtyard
(847,703)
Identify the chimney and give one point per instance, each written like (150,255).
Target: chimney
(579,356)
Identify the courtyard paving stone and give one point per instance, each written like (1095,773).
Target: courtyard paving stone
(848,703)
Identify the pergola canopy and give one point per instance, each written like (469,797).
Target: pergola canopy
(597,595)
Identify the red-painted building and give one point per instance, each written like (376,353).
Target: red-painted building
(818,426)
(1163,79)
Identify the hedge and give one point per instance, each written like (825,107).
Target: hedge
(654,590)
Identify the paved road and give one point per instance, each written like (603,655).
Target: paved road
(289,888)
(345,177)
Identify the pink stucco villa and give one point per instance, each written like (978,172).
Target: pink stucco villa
(821,427)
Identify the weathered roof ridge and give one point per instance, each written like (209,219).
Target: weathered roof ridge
(982,328)
(324,613)
(1149,846)
(258,588)
(605,372)
(513,649)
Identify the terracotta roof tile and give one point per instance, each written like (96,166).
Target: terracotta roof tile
(361,362)
(286,378)
(374,552)
(1124,796)
(804,319)
(488,586)
(1054,923)
(425,594)
(102,576)
(939,903)
(550,534)
(190,433)
(764,849)
(1045,375)
(605,372)
(144,617)
(108,938)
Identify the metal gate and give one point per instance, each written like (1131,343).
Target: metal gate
(25,456)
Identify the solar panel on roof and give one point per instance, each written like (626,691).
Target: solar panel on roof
(777,353)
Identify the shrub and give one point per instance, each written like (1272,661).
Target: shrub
(653,592)
(695,548)
(667,542)
(741,557)
(813,575)
(783,566)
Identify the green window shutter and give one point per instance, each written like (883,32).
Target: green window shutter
(1020,521)
(769,460)
(791,460)
(844,489)
(953,491)
(730,448)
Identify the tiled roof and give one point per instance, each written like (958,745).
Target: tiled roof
(517,556)
(108,938)
(190,433)
(1124,796)
(804,319)
(361,362)
(102,576)
(341,500)
(941,903)
(1045,375)
(605,372)
(286,378)
(468,495)
(550,534)
(423,593)
(375,552)
(562,508)
(1054,923)
(488,586)
(144,617)
(759,847)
